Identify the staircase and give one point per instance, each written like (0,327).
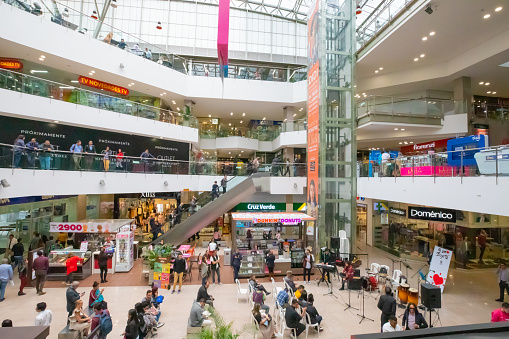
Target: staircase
(243,188)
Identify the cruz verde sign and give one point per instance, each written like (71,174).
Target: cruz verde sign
(261,207)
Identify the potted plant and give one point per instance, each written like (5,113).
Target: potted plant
(222,330)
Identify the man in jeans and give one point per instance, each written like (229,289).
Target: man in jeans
(5,277)
(17,253)
(214,267)
(40,266)
(179,267)
(502,273)
(32,147)
(77,150)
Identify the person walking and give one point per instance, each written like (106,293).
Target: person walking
(119,159)
(204,269)
(103,264)
(31,148)
(23,278)
(179,267)
(481,241)
(41,267)
(77,150)
(17,254)
(18,149)
(287,167)
(6,275)
(90,152)
(224,182)
(8,250)
(72,266)
(35,241)
(270,259)
(44,316)
(236,260)
(45,155)
(215,190)
(214,268)
(386,304)
(502,273)
(106,158)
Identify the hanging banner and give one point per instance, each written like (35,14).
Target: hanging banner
(313,112)
(103,85)
(439,267)
(223,27)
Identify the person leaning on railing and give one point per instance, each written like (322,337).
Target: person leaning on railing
(45,155)
(19,146)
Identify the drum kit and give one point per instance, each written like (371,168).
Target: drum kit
(406,294)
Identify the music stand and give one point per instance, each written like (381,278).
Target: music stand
(349,304)
(363,317)
(330,291)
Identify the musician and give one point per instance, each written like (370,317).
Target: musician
(347,274)
(325,259)
(387,304)
(307,264)
(413,319)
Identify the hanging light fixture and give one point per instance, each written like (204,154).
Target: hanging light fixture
(159,26)
(359,10)
(94,15)
(65,13)
(113,3)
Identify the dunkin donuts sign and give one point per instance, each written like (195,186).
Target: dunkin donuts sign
(284,221)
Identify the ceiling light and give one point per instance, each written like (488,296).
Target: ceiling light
(65,87)
(56,121)
(264,118)
(486,84)
(231,113)
(132,83)
(300,110)
(229,152)
(230,124)
(178,108)
(396,129)
(423,55)
(363,93)
(486,16)
(376,71)
(294,115)
(424,38)
(416,59)
(75,81)
(210,116)
(243,114)
(173,102)
(241,151)
(498,9)
(42,59)
(431,33)
(90,73)
(381,68)
(240,121)
(402,129)
(164,93)
(285,119)
(493,92)
(43,56)
(161,94)
(36,71)
(129,85)
(401,143)
(481,83)
(489,92)
(406,143)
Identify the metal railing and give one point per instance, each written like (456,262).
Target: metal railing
(261,133)
(488,161)
(82,23)
(22,157)
(29,84)
(424,107)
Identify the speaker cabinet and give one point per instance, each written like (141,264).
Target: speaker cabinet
(355,284)
(431,297)
(335,242)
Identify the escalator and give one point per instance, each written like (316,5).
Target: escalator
(213,209)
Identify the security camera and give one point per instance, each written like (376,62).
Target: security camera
(428,10)
(4,183)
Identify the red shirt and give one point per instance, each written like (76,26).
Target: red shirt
(72,264)
(120,155)
(499,315)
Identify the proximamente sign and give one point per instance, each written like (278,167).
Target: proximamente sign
(433,214)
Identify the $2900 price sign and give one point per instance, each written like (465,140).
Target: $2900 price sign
(66,227)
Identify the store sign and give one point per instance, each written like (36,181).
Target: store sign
(25,200)
(439,267)
(284,221)
(75,227)
(433,214)
(103,85)
(424,146)
(148,195)
(11,64)
(397,211)
(261,207)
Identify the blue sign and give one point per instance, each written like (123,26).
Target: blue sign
(394,154)
(461,151)
(24,200)
(374,156)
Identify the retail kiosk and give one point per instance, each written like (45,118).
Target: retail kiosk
(285,234)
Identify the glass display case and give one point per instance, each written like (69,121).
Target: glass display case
(124,249)
(296,256)
(253,262)
(58,269)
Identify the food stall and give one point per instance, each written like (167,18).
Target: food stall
(285,234)
(58,270)
(93,234)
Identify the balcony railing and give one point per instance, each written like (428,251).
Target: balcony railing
(491,111)
(29,84)
(489,161)
(21,157)
(73,19)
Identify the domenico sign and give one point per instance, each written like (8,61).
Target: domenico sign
(433,214)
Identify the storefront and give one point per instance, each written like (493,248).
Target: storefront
(285,234)
(362,225)
(411,232)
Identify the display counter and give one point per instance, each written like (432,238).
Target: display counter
(253,262)
(58,270)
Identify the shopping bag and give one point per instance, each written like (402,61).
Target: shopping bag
(11,282)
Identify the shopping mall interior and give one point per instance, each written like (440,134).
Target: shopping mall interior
(238,168)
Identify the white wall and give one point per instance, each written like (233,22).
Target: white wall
(33,107)
(33,183)
(285,139)
(474,194)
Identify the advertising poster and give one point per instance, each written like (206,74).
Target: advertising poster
(439,267)
(165,280)
(313,112)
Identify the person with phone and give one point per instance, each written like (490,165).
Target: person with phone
(265,323)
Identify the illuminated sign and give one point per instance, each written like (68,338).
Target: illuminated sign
(10,64)
(103,85)
(284,221)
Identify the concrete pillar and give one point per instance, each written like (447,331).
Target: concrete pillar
(462,94)
(369,222)
(289,203)
(288,124)
(81,212)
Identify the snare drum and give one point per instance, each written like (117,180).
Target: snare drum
(413,296)
(403,293)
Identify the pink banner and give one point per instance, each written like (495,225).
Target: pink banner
(427,171)
(223,26)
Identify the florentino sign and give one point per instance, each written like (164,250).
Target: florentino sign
(433,214)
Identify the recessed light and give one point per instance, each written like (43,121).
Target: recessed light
(402,129)
(295,114)
(481,83)
(210,116)
(231,113)
(416,59)
(75,81)
(43,56)
(486,84)
(493,92)
(42,59)
(173,102)
(300,110)
(178,108)
(285,119)
(36,71)
(489,92)
(240,121)
(396,129)
(381,68)
(56,121)
(423,55)
(132,83)
(264,118)
(230,124)
(424,38)
(92,71)
(229,152)
(241,151)
(406,143)
(401,143)
(129,85)
(164,93)
(498,9)
(376,71)
(363,93)
(486,16)
(411,142)
(431,33)
(161,94)
(65,87)
(243,114)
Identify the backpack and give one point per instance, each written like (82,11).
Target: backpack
(105,323)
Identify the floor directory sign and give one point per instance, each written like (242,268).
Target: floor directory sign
(439,267)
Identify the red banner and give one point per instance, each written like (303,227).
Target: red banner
(11,64)
(103,85)
(424,147)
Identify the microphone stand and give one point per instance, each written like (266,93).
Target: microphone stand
(363,317)
(349,305)
(419,279)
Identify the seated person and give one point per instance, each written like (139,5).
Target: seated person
(347,274)
(78,321)
(289,280)
(301,293)
(283,298)
(153,310)
(413,319)
(391,325)
(203,294)
(99,309)
(95,295)
(293,318)
(265,323)
(196,318)
(254,285)
(152,313)
(313,313)
(147,322)
(258,299)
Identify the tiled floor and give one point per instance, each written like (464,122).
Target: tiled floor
(468,298)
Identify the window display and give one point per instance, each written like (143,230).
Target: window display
(253,262)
